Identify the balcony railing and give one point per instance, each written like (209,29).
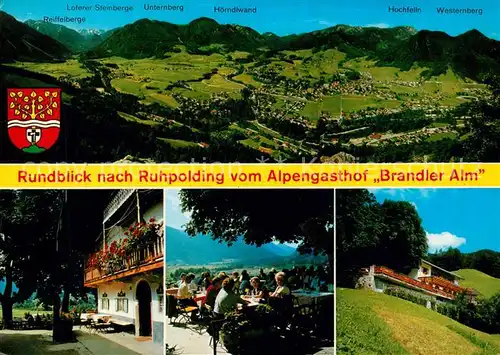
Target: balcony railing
(442,283)
(145,255)
(410,281)
(116,202)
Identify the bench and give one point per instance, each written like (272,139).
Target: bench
(120,324)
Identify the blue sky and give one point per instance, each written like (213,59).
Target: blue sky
(279,16)
(463,218)
(174,216)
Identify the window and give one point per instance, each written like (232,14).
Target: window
(425,270)
(122,305)
(105,303)
(160,303)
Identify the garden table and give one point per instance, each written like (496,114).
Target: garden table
(172,291)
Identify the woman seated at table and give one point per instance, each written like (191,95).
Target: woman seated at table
(185,296)
(281,289)
(212,292)
(183,278)
(227,301)
(258,291)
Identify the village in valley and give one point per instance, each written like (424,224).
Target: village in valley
(359,91)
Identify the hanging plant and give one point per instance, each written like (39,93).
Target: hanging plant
(142,233)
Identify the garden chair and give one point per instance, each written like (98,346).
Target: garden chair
(184,312)
(176,311)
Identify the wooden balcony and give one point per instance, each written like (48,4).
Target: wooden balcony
(146,258)
(442,284)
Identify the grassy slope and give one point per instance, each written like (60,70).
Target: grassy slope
(374,323)
(481,282)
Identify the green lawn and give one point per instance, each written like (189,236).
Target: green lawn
(70,67)
(485,284)
(131,118)
(375,323)
(19,313)
(178,143)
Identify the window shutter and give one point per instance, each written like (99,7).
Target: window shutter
(117,304)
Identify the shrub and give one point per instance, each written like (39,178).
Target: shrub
(405,295)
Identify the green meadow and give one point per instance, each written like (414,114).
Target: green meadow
(375,323)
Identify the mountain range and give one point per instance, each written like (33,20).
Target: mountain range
(471,54)
(201,249)
(77,41)
(20,42)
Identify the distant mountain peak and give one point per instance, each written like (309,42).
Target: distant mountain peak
(204,20)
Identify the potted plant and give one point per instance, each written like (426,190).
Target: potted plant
(63,329)
(232,332)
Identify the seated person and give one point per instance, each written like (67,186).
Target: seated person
(258,291)
(227,301)
(271,280)
(281,289)
(245,283)
(185,296)
(262,274)
(193,287)
(183,278)
(236,279)
(212,292)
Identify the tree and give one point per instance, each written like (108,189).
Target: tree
(263,216)
(403,241)
(483,141)
(388,234)
(450,259)
(358,228)
(27,219)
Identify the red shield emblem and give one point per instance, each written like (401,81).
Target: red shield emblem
(34,118)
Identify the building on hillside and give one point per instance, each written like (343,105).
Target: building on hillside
(127,267)
(429,281)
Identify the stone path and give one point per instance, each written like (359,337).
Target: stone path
(39,342)
(187,341)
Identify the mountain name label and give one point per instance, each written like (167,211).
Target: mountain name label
(466,11)
(100,8)
(235,10)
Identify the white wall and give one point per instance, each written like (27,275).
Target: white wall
(115,233)
(118,232)
(112,288)
(155,211)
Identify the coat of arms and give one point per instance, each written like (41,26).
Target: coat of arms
(34,118)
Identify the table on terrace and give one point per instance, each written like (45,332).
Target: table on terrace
(172,291)
(315,297)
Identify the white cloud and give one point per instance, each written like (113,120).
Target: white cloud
(175,217)
(443,240)
(379,25)
(325,23)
